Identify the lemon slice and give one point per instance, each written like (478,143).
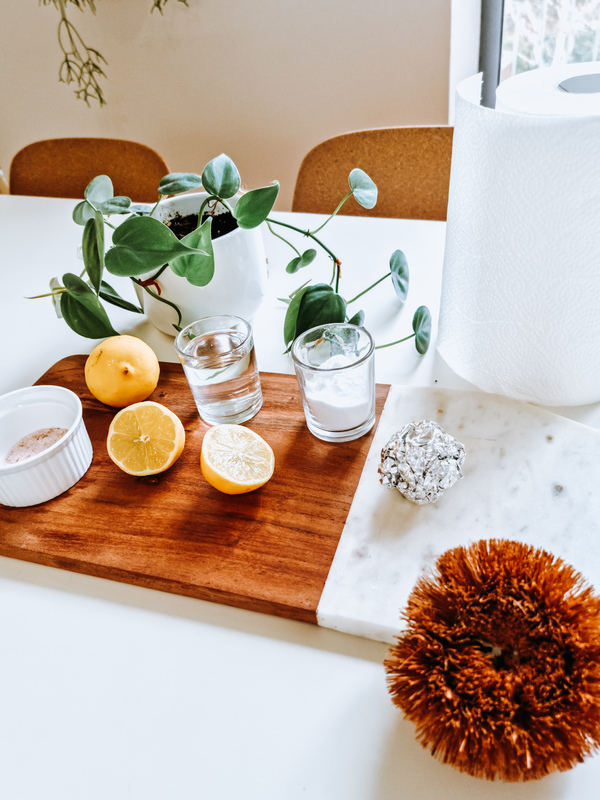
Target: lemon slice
(145,438)
(235,459)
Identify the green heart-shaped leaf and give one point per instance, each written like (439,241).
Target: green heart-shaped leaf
(142,244)
(82,212)
(198,268)
(112,296)
(92,249)
(113,205)
(221,178)
(116,205)
(357,319)
(99,190)
(177,182)
(363,188)
(82,311)
(143,209)
(319,305)
(254,206)
(291,315)
(400,278)
(422,327)
(307,257)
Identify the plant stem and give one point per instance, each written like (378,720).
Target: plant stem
(162,300)
(368,289)
(340,204)
(333,274)
(305,233)
(336,262)
(202,207)
(295,292)
(390,344)
(155,206)
(283,239)
(48,294)
(212,198)
(159,273)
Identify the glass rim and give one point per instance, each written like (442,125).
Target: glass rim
(328,326)
(182,332)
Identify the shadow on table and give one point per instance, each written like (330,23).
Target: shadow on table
(363,749)
(406,764)
(200,611)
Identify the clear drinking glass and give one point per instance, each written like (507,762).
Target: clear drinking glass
(219,362)
(335,367)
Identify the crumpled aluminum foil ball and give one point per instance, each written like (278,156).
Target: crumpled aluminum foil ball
(421,461)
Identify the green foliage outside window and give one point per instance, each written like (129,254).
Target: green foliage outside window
(545,33)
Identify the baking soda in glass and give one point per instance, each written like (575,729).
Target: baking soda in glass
(218,358)
(335,368)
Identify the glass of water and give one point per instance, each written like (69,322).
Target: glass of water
(219,362)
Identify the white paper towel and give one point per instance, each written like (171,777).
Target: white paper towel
(520,306)
(539,92)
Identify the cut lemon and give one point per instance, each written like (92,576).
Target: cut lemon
(235,459)
(145,438)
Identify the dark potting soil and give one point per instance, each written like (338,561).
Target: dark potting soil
(184,224)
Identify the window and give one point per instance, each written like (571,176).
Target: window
(544,33)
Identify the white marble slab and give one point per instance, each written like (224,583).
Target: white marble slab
(529,475)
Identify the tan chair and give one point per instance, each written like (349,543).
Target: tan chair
(64,167)
(411,167)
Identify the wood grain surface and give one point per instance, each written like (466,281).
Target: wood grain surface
(268,551)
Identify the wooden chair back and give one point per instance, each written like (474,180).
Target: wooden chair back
(411,167)
(64,167)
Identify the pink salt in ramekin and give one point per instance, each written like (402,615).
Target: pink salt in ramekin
(50,473)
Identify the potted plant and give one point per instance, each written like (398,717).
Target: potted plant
(170,267)
(236,287)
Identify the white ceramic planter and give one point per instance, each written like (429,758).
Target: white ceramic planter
(238,285)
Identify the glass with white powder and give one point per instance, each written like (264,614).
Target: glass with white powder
(335,367)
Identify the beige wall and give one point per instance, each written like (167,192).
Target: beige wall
(262,80)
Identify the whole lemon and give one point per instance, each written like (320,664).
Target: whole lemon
(122,370)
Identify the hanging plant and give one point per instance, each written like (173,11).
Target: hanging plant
(81,64)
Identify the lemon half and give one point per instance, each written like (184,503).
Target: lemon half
(235,459)
(145,438)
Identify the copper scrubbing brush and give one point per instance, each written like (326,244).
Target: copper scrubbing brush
(499,664)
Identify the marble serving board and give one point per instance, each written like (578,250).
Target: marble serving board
(529,476)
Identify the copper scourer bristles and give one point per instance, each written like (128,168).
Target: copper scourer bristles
(499,665)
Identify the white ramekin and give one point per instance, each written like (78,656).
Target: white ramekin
(51,472)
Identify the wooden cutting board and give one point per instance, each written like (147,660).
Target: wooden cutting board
(269,550)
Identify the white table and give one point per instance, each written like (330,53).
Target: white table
(112,691)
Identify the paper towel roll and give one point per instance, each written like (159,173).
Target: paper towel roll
(540,91)
(520,305)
